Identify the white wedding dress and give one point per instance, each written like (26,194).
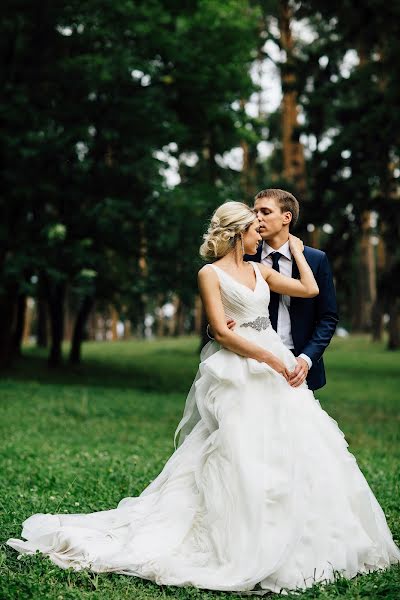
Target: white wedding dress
(261,494)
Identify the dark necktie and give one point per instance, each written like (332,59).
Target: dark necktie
(274,301)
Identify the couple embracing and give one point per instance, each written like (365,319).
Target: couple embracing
(261,494)
(305,325)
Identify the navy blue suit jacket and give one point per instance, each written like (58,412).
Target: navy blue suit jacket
(313,320)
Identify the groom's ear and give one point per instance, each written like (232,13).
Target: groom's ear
(287,217)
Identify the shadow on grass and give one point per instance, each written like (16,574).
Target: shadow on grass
(169,365)
(163,367)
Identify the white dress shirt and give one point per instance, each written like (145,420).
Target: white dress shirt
(284,328)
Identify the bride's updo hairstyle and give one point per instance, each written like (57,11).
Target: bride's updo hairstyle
(228,222)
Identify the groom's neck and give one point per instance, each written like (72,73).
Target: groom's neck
(277,240)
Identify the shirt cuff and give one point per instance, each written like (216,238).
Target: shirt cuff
(209,334)
(307,359)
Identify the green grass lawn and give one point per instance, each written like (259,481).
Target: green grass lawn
(80,441)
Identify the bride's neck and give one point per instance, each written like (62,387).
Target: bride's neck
(234,258)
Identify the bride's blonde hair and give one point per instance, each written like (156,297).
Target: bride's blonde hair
(227,223)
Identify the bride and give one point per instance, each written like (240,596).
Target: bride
(261,493)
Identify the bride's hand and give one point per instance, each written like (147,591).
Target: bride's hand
(277,365)
(295,244)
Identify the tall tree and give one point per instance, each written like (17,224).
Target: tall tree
(93,92)
(352,121)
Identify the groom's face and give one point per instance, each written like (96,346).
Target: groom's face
(272,219)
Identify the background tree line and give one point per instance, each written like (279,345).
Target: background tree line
(120,121)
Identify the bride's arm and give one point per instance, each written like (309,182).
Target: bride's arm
(305,287)
(211,296)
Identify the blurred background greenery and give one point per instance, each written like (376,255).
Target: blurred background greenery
(126,123)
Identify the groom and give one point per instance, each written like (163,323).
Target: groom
(305,325)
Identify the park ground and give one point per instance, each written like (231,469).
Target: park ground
(80,440)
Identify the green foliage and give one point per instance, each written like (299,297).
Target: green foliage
(79,442)
(99,97)
(92,91)
(345,72)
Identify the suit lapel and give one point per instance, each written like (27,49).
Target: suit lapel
(295,270)
(293,305)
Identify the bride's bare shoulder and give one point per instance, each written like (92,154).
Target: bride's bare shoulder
(207,273)
(207,280)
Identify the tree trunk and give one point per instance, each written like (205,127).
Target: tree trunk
(69,317)
(179,318)
(79,330)
(314,237)
(394,324)
(144,272)
(377,321)
(248,175)
(19,325)
(127,329)
(92,325)
(30,310)
(366,277)
(56,301)
(159,324)
(378,308)
(182,319)
(294,166)
(114,323)
(42,315)
(8,310)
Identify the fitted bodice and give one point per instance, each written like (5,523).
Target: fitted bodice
(240,302)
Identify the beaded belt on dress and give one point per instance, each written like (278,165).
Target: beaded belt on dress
(258,324)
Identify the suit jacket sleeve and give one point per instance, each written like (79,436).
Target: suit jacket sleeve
(326,313)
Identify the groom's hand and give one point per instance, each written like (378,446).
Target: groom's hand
(300,373)
(230,323)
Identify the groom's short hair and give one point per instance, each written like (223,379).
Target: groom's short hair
(286,201)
